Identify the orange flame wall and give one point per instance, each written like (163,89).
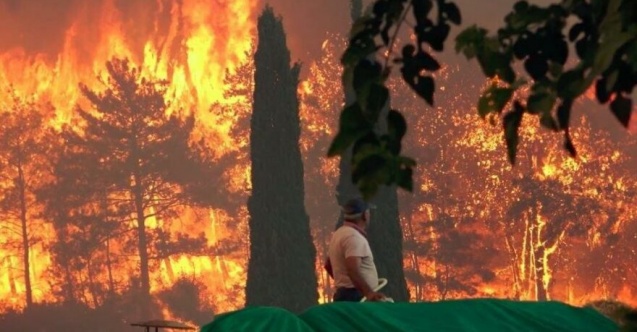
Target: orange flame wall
(192,43)
(48,48)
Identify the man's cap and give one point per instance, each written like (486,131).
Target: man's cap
(355,207)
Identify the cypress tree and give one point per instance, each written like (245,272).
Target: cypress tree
(282,255)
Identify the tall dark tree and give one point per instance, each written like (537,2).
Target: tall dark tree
(282,255)
(385,233)
(24,141)
(133,162)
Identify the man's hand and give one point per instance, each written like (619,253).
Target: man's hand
(372,296)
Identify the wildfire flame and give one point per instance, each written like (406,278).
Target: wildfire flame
(187,44)
(183,42)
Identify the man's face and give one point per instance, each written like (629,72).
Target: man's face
(368,218)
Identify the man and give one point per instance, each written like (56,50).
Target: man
(350,261)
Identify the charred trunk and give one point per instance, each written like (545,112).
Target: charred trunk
(540,288)
(142,244)
(109,268)
(25,239)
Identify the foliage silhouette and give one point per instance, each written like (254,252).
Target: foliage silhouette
(130,161)
(605,40)
(24,167)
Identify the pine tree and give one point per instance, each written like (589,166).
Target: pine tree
(133,160)
(24,141)
(282,256)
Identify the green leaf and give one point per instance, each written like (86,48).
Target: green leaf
(576,30)
(396,125)
(370,173)
(436,36)
(496,63)
(606,52)
(568,145)
(424,60)
(493,100)
(526,15)
(352,126)
(601,91)
(360,24)
(611,79)
(390,144)
(366,145)
(622,109)
(391,12)
(547,121)
(555,69)
(425,88)
(470,41)
(540,103)
(422,85)
(631,55)
(536,66)
(376,101)
(570,84)
(369,167)
(511,123)
(366,72)
(420,11)
(404,178)
(359,48)
(408,162)
(453,13)
(564,114)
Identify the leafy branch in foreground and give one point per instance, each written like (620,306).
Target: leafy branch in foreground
(604,36)
(376,153)
(605,41)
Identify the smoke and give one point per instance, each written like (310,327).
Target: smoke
(35,26)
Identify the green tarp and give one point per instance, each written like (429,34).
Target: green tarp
(471,315)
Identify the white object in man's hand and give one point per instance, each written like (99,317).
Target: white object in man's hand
(375,296)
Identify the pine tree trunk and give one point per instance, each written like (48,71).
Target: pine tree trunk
(142,245)
(12,281)
(91,283)
(542,294)
(25,238)
(109,268)
(70,288)
(515,266)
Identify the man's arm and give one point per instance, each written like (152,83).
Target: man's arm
(352,264)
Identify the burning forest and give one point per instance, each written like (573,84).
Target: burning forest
(128,183)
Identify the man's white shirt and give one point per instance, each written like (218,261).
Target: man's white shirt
(349,242)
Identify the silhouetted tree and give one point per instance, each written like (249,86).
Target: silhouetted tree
(133,162)
(24,142)
(282,256)
(385,233)
(184,300)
